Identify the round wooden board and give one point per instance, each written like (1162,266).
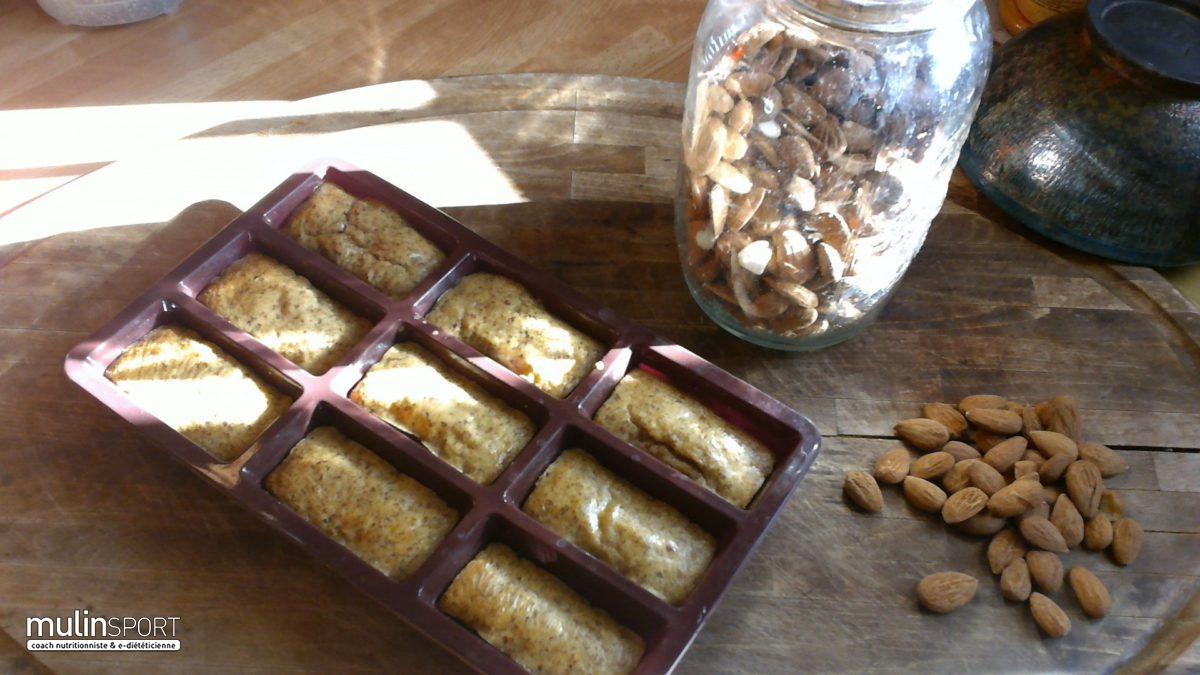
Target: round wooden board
(93,516)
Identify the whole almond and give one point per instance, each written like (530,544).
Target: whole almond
(1029,420)
(1127,541)
(862,489)
(1068,521)
(1046,570)
(932,465)
(948,415)
(1111,505)
(958,477)
(1014,581)
(1051,443)
(1049,616)
(1093,597)
(1098,534)
(1004,548)
(1004,455)
(963,504)
(1034,457)
(1015,498)
(982,524)
(1085,487)
(961,451)
(946,591)
(1061,414)
(995,420)
(985,477)
(981,401)
(923,434)
(1052,469)
(923,495)
(985,441)
(1104,457)
(892,467)
(1040,532)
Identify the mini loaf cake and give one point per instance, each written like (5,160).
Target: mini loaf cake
(500,318)
(642,538)
(455,418)
(365,238)
(197,390)
(360,501)
(285,312)
(649,413)
(534,618)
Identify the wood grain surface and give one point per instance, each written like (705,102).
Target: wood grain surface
(93,516)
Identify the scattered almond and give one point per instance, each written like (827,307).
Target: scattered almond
(1005,454)
(1051,443)
(1052,469)
(1040,532)
(963,504)
(982,524)
(892,467)
(961,451)
(1084,486)
(923,495)
(1015,498)
(1014,581)
(1061,414)
(985,441)
(1029,420)
(1068,521)
(1127,541)
(958,477)
(923,434)
(946,591)
(931,466)
(995,420)
(1104,457)
(1004,548)
(948,416)
(985,477)
(862,489)
(1111,505)
(1093,597)
(1098,534)
(1046,570)
(1049,616)
(981,401)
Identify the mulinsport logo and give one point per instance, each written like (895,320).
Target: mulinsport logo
(81,631)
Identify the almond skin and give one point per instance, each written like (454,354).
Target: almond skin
(985,441)
(981,401)
(1098,533)
(862,489)
(931,466)
(985,477)
(1127,541)
(1051,443)
(961,451)
(1052,469)
(1014,581)
(946,591)
(1029,421)
(1040,532)
(1093,597)
(892,467)
(1041,510)
(923,434)
(1015,498)
(948,416)
(1104,457)
(958,477)
(1046,570)
(995,420)
(1085,487)
(1025,467)
(923,495)
(1034,457)
(982,524)
(963,504)
(1049,616)
(1004,455)
(1004,548)
(1061,414)
(1111,505)
(1068,521)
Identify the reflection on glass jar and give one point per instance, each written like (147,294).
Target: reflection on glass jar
(819,137)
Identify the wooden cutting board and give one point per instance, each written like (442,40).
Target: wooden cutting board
(93,516)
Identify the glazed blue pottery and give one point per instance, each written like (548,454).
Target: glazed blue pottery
(1089,131)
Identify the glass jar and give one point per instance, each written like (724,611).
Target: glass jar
(818,138)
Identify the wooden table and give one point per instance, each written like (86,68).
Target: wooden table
(576,174)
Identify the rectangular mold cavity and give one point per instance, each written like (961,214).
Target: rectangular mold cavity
(488,512)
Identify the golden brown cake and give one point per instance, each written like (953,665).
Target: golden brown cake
(455,418)
(642,538)
(285,312)
(500,318)
(649,413)
(197,390)
(360,501)
(534,618)
(365,238)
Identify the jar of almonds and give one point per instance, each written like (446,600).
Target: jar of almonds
(818,138)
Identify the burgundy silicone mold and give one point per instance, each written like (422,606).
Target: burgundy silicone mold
(488,513)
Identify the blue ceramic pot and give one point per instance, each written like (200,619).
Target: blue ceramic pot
(1089,131)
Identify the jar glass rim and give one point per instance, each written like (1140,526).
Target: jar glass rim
(881,15)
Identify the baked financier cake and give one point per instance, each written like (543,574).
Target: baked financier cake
(641,537)
(198,390)
(534,618)
(458,421)
(649,413)
(360,501)
(497,316)
(365,238)
(285,312)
